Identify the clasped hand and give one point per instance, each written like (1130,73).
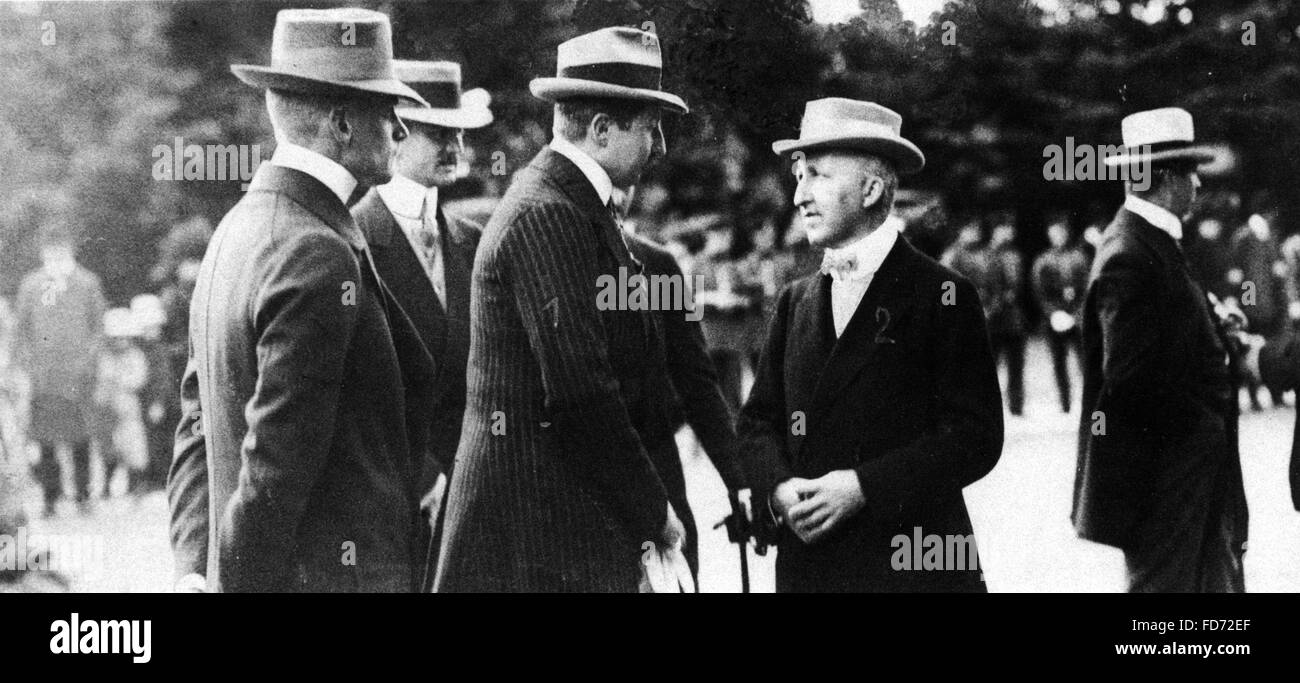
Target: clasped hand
(812,508)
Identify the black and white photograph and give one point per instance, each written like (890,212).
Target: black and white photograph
(651,296)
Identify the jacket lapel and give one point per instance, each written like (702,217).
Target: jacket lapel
(571,181)
(875,323)
(457,261)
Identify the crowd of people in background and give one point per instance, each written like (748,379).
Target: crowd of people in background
(740,253)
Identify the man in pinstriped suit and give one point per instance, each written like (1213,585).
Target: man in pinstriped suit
(554,490)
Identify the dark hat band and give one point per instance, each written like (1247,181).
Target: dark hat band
(440,95)
(1158,147)
(616,73)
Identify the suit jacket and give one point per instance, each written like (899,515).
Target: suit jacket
(1157,394)
(444,329)
(907,397)
(554,489)
(1279,367)
(304,405)
(695,398)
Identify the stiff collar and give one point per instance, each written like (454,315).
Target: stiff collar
(596,175)
(865,255)
(407,198)
(329,172)
(1155,215)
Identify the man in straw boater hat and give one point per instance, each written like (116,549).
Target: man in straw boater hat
(876,399)
(1158,471)
(307,388)
(424,253)
(553,488)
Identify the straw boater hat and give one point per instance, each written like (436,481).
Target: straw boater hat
(839,123)
(615,62)
(1159,135)
(439,84)
(334,51)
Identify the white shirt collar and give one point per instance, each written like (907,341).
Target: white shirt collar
(407,198)
(893,221)
(869,252)
(595,174)
(317,165)
(1155,215)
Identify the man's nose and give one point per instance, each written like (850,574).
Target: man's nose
(1196,181)
(660,147)
(801,196)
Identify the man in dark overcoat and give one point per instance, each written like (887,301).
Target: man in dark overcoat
(306,396)
(877,397)
(1158,472)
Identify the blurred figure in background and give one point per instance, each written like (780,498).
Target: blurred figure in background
(1207,256)
(968,257)
(1060,278)
(159,395)
(117,426)
(1008,327)
(59,333)
(179,258)
(1256,277)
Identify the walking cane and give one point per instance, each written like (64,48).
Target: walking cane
(739,531)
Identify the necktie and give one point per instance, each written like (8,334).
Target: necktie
(432,249)
(838,266)
(617,215)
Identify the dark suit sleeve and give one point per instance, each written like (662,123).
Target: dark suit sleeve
(696,380)
(965,440)
(187,482)
(1127,300)
(303,327)
(552,267)
(763,420)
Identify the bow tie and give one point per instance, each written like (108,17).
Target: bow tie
(839,266)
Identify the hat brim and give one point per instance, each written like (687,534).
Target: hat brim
(907,156)
(277,79)
(1201,155)
(554,89)
(447,118)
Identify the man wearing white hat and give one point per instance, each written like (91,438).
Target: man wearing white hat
(424,253)
(1158,472)
(554,490)
(304,403)
(876,399)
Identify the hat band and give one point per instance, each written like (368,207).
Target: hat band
(439,95)
(335,63)
(616,73)
(820,127)
(1157,147)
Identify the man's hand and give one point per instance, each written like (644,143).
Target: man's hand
(786,496)
(824,504)
(1251,345)
(191,583)
(674,534)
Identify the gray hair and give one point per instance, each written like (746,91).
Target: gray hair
(297,117)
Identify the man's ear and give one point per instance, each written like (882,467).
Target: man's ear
(872,190)
(340,126)
(599,130)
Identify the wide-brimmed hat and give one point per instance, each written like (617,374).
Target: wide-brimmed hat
(840,123)
(439,84)
(1159,135)
(344,51)
(616,62)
